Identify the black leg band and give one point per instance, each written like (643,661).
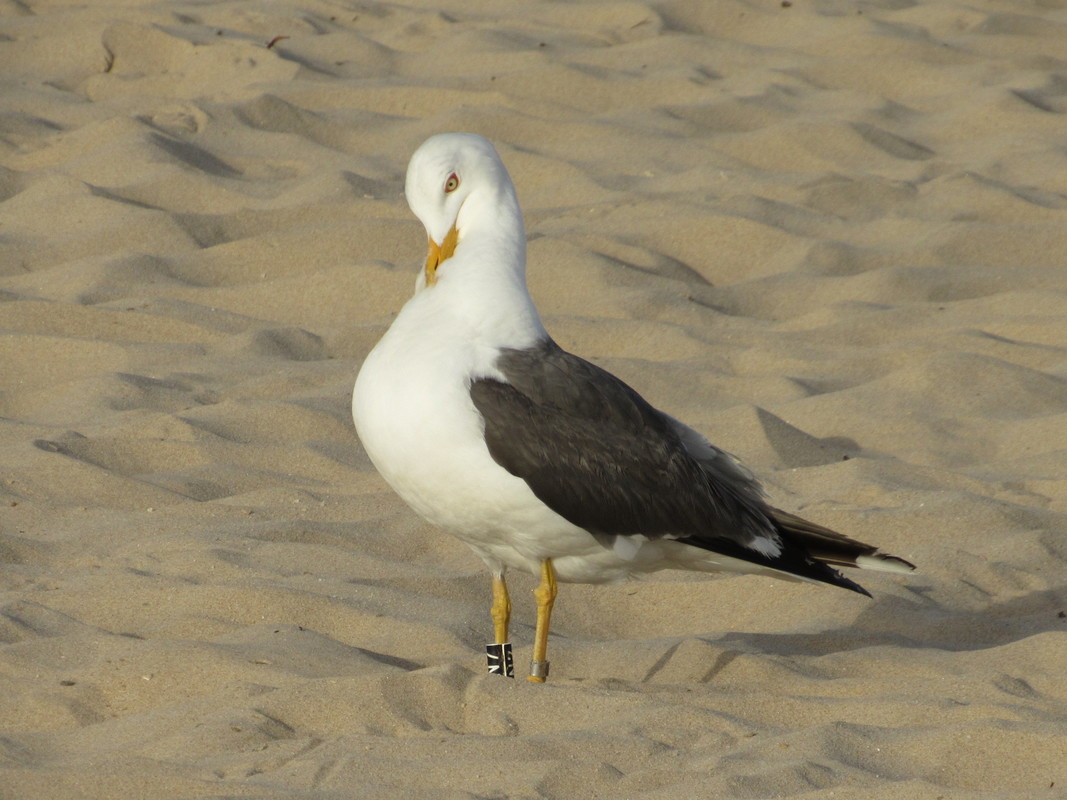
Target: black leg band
(499,659)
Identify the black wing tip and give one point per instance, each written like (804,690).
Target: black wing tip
(835,578)
(791,561)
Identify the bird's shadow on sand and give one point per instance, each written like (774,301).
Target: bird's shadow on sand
(919,623)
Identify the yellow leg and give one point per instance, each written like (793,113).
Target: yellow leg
(501,610)
(498,654)
(545,594)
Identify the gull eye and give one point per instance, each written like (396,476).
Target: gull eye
(452,183)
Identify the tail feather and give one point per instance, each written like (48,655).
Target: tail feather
(808,551)
(833,548)
(883,562)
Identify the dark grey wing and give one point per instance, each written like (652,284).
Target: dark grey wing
(717,463)
(596,453)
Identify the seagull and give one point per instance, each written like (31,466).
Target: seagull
(536,458)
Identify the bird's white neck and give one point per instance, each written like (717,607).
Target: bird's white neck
(482,287)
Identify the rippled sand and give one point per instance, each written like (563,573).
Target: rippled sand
(831,235)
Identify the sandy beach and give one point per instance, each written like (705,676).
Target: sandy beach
(830,235)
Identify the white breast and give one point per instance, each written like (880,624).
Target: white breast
(414,415)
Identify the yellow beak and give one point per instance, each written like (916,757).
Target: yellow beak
(438,253)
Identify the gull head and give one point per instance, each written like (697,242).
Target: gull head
(455,184)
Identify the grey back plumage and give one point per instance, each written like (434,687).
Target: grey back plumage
(599,455)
